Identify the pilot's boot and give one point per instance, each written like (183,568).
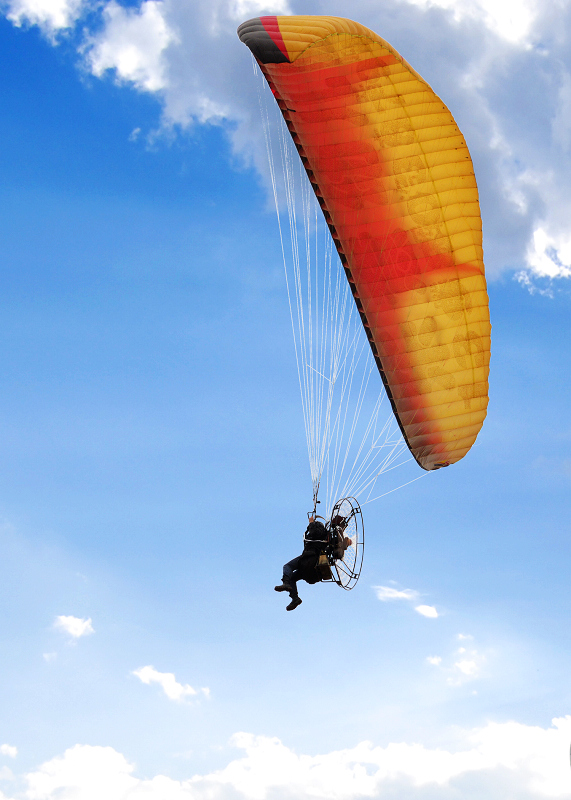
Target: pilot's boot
(295,602)
(284,587)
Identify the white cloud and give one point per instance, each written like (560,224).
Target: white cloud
(6,774)
(8,750)
(510,19)
(434,660)
(84,773)
(245,9)
(549,255)
(387,593)
(467,667)
(176,49)
(169,684)
(50,15)
(74,626)
(562,117)
(427,611)
(548,252)
(132,43)
(502,759)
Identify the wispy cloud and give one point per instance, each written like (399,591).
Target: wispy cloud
(167,681)
(49,657)
(8,750)
(462,665)
(388,594)
(74,626)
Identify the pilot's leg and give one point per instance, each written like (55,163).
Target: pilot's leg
(289,582)
(289,574)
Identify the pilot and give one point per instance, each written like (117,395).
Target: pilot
(304,567)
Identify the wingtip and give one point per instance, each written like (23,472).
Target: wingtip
(262,36)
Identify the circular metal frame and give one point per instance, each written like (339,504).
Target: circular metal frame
(347,542)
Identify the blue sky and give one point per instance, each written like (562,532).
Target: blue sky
(154,473)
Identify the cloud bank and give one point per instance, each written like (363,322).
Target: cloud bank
(503,67)
(500,760)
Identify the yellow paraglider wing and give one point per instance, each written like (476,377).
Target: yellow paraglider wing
(394,178)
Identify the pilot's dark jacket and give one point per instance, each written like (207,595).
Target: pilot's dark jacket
(314,539)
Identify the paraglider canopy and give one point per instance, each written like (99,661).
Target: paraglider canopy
(394,179)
